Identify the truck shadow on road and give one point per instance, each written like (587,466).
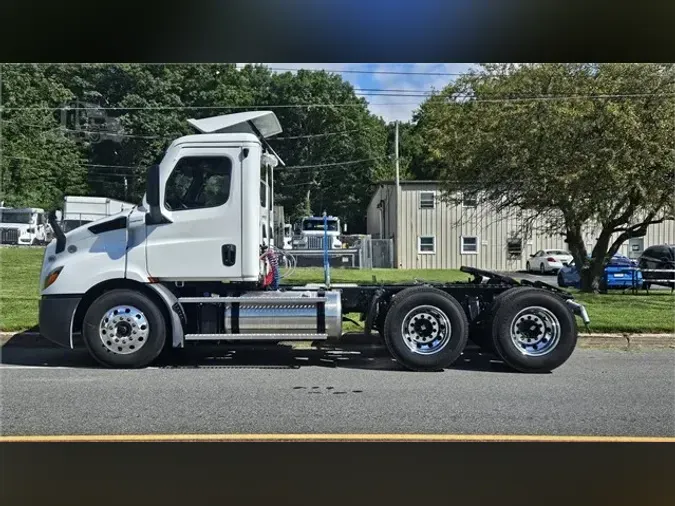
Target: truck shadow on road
(354,352)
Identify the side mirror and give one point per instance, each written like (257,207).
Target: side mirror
(566,264)
(152,196)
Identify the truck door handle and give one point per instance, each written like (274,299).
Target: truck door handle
(229,254)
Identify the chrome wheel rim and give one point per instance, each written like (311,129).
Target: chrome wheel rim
(124,330)
(535,331)
(426,330)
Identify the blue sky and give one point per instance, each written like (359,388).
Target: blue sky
(390,108)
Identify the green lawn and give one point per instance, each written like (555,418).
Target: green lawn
(19,287)
(614,312)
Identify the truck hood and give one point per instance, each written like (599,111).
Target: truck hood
(319,232)
(23,227)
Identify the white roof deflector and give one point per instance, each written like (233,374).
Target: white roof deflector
(265,122)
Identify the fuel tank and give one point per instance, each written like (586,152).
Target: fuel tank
(286,318)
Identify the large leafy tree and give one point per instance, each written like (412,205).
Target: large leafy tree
(39,163)
(319,142)
(152,104)
(326,128)
(580,146)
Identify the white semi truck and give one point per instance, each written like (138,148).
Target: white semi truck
(81,210)
(309,233)
(186,268)
(25,226)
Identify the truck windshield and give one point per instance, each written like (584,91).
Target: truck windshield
(14,217)
(318,225)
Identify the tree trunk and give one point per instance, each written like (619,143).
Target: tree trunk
(592,277)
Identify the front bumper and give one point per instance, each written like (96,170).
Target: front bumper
(56,318)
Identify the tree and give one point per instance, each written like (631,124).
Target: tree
(39,164)
(580,146)
(153,104)
(320,143)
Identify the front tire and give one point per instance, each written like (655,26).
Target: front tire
(425,329)
(528,267)
(533,330)
(561,281)
(124,329)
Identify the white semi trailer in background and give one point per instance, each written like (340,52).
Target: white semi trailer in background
(81,210)
(187,267)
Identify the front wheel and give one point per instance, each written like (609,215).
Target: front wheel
(124,329)
(533,330)
(528,267)
(425,329)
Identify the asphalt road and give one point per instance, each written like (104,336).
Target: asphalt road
(597,393)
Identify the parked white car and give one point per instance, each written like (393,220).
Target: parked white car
(548,260)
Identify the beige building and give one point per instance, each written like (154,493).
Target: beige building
(430,233)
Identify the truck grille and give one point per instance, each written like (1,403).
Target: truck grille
(9,236)
(314,242)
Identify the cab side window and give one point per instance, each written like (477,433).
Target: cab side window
(199,182)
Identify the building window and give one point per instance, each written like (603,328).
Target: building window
(426,244)
(427,200)
(469,200)
(514,246)
(469,245)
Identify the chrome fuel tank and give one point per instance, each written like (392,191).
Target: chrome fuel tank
(285,318)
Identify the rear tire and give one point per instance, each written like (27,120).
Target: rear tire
(533,330)
(124,329)
(425,329)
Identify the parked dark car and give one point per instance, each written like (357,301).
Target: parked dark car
(620,272)
(658,257)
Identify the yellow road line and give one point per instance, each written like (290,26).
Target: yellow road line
(123,438)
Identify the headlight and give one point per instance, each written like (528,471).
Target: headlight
(52,277)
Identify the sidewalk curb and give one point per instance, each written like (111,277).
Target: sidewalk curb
(620,341)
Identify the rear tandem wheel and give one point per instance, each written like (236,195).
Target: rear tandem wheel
(425,329)
(532,329)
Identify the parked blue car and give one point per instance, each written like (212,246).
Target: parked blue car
(618,274)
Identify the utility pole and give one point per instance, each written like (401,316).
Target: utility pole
(397,198)
(396,155)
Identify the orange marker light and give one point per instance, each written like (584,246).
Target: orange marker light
(52,277)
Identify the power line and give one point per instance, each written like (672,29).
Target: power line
(350,162)
(471,98)
(386,72)
(176,135)
(136,167)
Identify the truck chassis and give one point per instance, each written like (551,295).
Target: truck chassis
(425,326)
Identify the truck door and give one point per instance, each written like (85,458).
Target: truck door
(202,199)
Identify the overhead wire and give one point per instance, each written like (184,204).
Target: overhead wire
(470,96)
